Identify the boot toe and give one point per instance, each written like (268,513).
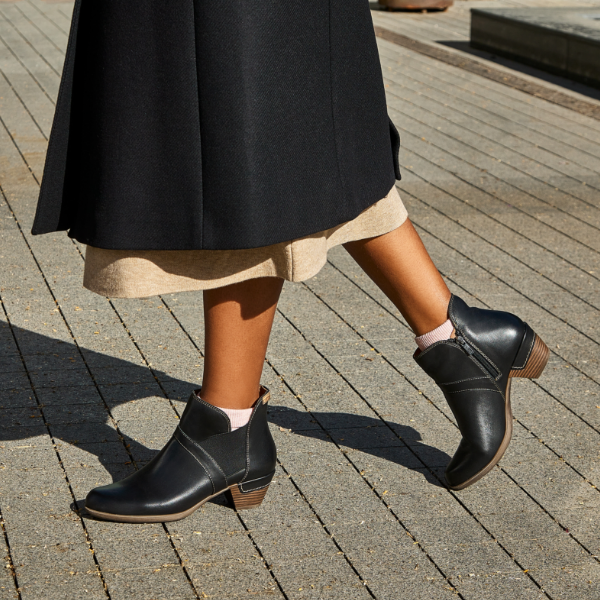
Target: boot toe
(466,465)
(107,499)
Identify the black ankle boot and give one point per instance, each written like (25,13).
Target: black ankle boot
(202,459)
(474,372)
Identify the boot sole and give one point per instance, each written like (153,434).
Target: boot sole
(241,500)
(534,367)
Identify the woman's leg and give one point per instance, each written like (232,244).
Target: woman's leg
(474,368)
(401,267)
(211,452)
(238,320)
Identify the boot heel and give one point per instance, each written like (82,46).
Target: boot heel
(244,500)
(536,361)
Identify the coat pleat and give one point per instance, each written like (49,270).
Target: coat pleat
(194,124)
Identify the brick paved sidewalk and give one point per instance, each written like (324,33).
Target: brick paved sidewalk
(504,188)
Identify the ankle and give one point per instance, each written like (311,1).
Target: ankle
(238,417)
(229,396)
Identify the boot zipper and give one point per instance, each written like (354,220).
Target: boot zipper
(484,362)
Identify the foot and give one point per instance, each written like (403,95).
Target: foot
(474,371)
(203,459)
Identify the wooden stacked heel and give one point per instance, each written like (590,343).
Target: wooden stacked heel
(247,500)
(537,361)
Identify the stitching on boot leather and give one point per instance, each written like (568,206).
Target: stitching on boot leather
(487,375)
(219,411)
(198,461)
(449,342)
(258,405)
(528,353)
(205,452)
(248,443)
(451,310)
(257,479)
(474,390)
(262,487)
(462,380)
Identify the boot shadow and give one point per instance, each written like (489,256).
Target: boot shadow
(50,364)
(394,442)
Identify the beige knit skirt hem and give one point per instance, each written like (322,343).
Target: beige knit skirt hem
(143,273)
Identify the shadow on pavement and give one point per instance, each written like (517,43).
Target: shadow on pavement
(76,412)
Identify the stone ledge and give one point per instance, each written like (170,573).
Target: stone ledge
(565,41)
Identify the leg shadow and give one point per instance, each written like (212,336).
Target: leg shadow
(367,434)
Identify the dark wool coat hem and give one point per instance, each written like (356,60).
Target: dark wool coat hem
(183,126)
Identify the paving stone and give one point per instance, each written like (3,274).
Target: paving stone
(366,437)
(572,582)
(20,417)
(282,507)
(89,432)
(117,352)
(419,587)
(58,585)
(285,544)
(517,586)
(14,380)
(371,544)
(93,454)
(462,530)
(10,364)
(548,552)
(150,408)
(69,395)
(52,362)
(497,495)
(27,456)
(105,531)
(309,440)
(295,420)
(61,556)
(158,582)
(410,491)
(584,527)
(55,525)
(123,375)
(148,436)
(120,394)
(17,398)
(463,559)
(201,548)
(63,377)
(8,589)
(135,551)
(232,579)
(318,577)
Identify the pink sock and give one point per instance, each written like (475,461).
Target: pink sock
(443,332)
(238,417)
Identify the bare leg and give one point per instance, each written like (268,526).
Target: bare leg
(400,265)
(238,320)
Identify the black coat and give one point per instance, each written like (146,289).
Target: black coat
(191,124)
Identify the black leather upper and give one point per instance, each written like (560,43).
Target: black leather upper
(203,457)
(472,370)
